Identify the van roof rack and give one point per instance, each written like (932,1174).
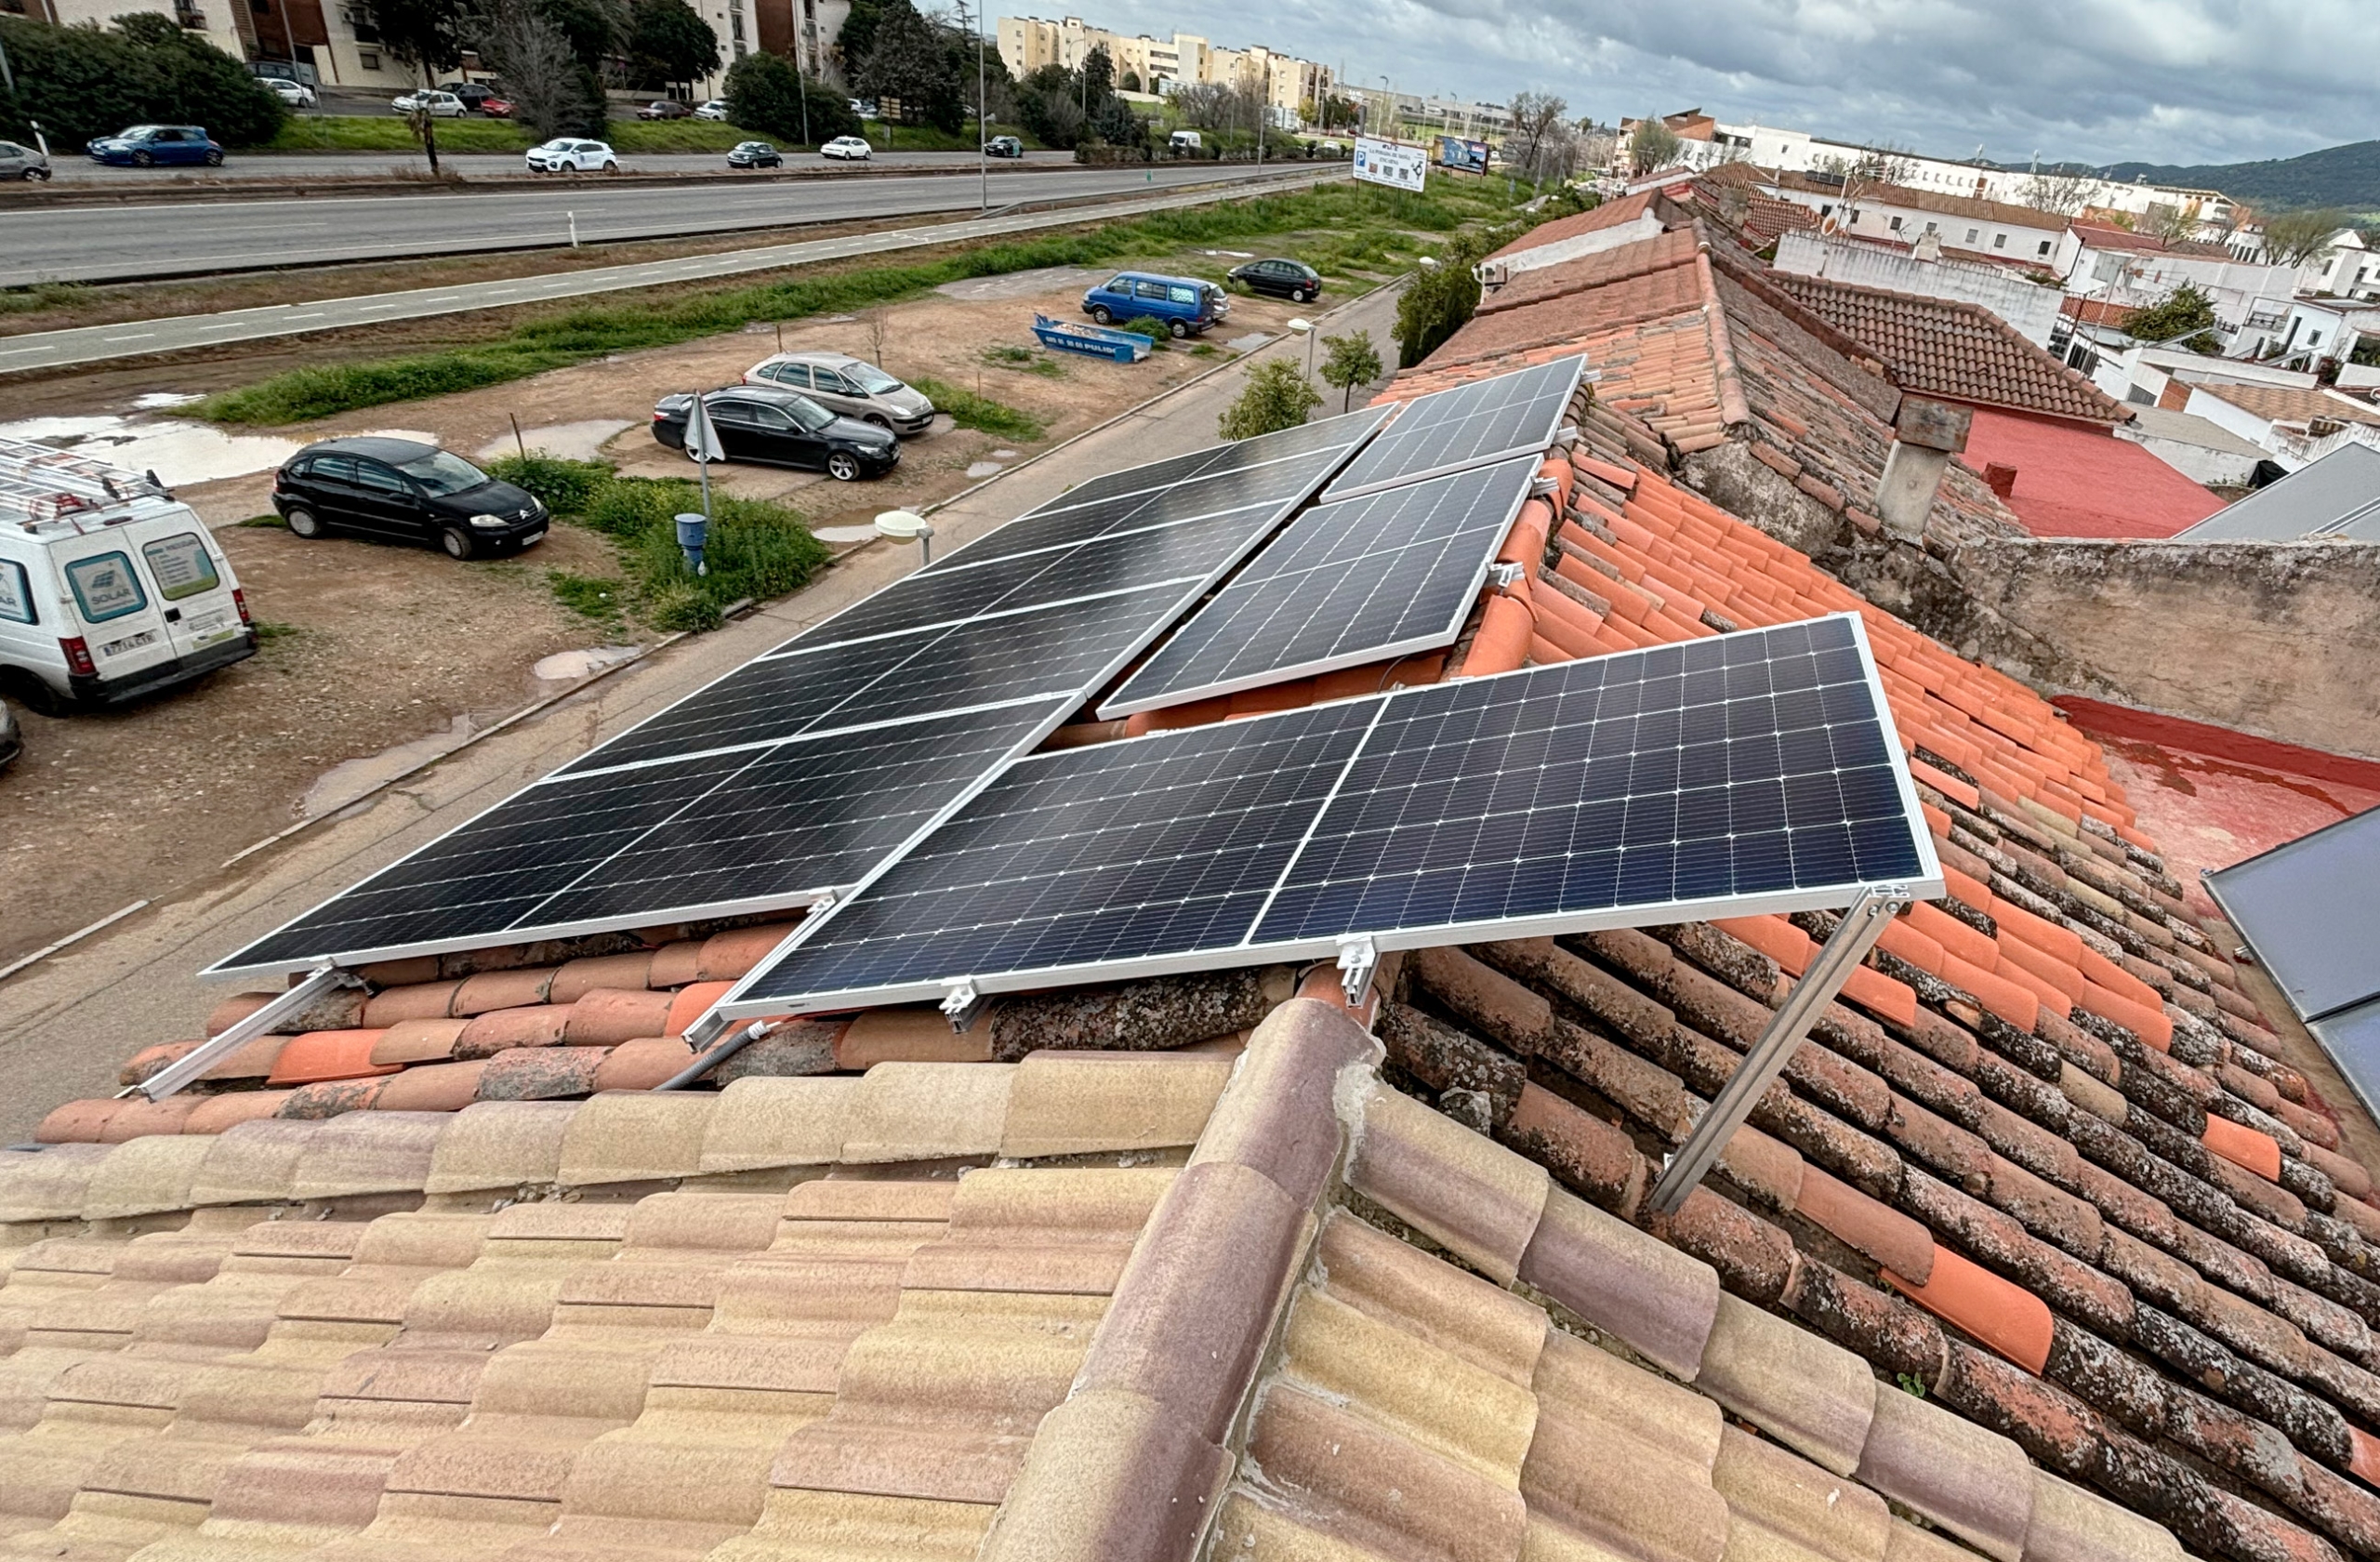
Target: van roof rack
(42,485)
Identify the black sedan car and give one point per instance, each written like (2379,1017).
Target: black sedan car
(1293,280)
(1004,146)
(782,428)
(753,154)
(405,490)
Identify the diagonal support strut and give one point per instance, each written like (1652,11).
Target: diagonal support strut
(1842,953)
(322,980)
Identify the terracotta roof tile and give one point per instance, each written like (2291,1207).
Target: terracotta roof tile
(2290,405)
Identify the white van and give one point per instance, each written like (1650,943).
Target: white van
(109,587)
(1184,140)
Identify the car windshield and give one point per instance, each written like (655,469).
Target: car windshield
(807,414)
(871,378)
(139,132)
(441,473)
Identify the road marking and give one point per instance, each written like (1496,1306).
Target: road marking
(311,314)
(136,336)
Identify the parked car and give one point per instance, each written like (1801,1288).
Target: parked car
(496,107)
(848,149)
(442,105)
(295,94)
(782,428)
(665,107)
(151,145)
(1184,140)
(22,162)
(716,109)
(473,94)
(753,154)
(1293,280)
(853,386)
(12,742)
(1003,146)
(405,490)
(566,155)
(110,587)
(1187,305)
(864,107)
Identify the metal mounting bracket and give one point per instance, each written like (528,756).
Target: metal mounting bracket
(961,1003)
(1539,488)
(1503,576)
(1862,922)
(1358,958)
(324,979)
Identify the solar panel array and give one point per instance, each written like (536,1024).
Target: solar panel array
(1742,774)
(1468,425)
(798,771)
(1364,580)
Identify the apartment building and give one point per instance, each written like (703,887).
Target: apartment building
(1289,85)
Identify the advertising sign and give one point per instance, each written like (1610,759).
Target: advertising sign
(1462,156)
(1390,163)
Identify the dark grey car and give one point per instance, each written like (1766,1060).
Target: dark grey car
(19,162)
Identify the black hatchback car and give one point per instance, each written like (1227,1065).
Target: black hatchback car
(405,490)
(753,154)
(1293,280)
(782,428)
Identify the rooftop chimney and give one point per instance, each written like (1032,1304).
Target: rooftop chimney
(1925,436)
(1928,246)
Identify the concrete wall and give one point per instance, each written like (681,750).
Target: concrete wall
(2200,463)
(2029,307)
(2275,639)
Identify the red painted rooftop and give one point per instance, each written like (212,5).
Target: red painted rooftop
(2075,480)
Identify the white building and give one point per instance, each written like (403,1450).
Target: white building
(2133,270)
(1291,86)
(2341,331)
(1966,226)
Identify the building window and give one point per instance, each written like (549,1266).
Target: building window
(368,59)
(2043,249)
(2313,338)
(1896,225)
(2000,241)
(1972,233)
(1933,226)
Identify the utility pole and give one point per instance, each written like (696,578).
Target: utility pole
(983,128)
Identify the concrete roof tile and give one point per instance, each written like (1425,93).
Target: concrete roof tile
(1620,1278)
(1813,1509)
(761,1124)
(1974,1483)
(252,1162)
(500,1145)
(1478,1199)
(1039,1230)
(1329,1471)
(142,1177)
(1623,1458)
(1807,1393)
(368,1152)
(1074,1103)
(1087,1493)
(1280,1118)
(928,1111)
(852,1526)
(635,1136)
(1431,1301)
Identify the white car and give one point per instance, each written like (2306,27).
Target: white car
(442,105)
(566,155)
(297,94)
(848,149)
(715,109)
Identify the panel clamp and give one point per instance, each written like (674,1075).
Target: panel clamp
(1505,576)
(1359,957)
(960,1004)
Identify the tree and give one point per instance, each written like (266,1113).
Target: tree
(1652,145)
(2169,223)
(2058,189)
(82,82)
(1348,362)
(768,93)
(1098,79)
(1115,124)
(1131,82)
(549,88)
(1276,397)
(597,30)
(424,36)
(857,38)
(910,60)
(1442,297)
(1535,116)
(2293,238)
(2185,316)
(668,41)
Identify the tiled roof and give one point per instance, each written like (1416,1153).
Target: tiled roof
(2290,403)
(1767,218)
(1961,352)
(2108,236)
(1612,214)
(2097,311)
(1970,206)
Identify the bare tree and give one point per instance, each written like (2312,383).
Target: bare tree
(1536,115)
(1216,106)
(1652,145)
(515,39)
(2059,190)
(2169,223)
(2294,238)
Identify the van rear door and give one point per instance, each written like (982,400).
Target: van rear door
(194,584)
(119,619)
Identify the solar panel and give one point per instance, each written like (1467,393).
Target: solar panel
(1468,425)
(2310,910)
(751,828)
(1384,576)
(1727,776)
(1064,647)
(1331,433)
(2352,1039)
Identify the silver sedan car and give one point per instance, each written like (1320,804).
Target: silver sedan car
(18,162)
(853,386)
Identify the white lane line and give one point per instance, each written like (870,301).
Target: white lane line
(310,315)
(136,336)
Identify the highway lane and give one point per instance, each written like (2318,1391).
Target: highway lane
(74,168)
(53,349)
(94,243)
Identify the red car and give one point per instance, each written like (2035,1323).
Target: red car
(496,107)
(665,108)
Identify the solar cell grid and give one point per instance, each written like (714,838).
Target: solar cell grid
(1748,772)
(1291,480)
(1467,426)
(1365,580)
(1329,434)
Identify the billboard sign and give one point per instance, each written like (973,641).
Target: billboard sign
(1462,155)
(1390,163)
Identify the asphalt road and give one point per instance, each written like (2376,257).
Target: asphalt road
(74,168)
(66,1023)
(96,244)
(51,350)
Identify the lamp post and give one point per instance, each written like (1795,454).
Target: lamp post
(1304,327)
(904,525)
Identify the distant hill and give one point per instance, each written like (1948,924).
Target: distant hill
(2340,176)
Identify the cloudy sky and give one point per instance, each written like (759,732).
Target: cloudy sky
(2102,81)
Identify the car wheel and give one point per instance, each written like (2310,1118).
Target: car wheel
(213,159)
(878,419)
(303,522)
(1100,314)
(611,167)
(32,174)
(457,542)
(142,160)
(843,467)
(1299,295)
(1179,330)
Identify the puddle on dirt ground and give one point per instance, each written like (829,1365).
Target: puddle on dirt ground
(156,400)
(345,783)
(564,666)
(1248,343)
(856,524)
(984,469)
(179,451)
(582,441)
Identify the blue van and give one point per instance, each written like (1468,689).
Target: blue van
(1187,305)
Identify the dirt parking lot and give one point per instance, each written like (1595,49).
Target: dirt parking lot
(377,655)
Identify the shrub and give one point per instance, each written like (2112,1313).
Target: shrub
(82,82)
(566,486)
(1276,397)
(1148,325)
(767,95)
(981,413)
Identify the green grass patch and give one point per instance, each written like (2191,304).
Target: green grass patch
(265,523)
(473,133)
(1008,356)
(981,413)
(633,322)
(755,549)
(1048,368)
(43,295)
(269,632)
